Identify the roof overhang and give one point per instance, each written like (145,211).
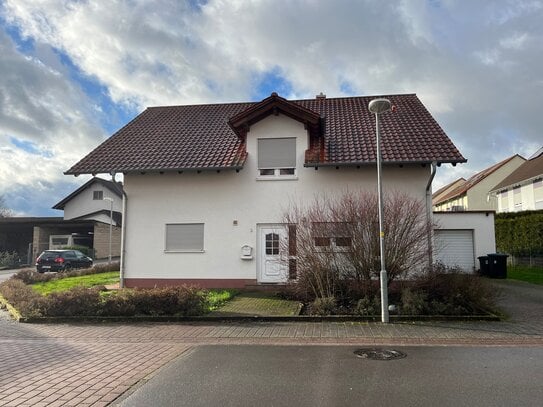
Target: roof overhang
(371,163)
(274,104)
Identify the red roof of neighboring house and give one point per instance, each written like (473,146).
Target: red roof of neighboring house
(531,169)
(342,132)
(443,190)
(472,181)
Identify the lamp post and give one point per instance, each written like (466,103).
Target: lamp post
(110,225)
(379,106)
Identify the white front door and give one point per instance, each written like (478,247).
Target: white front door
(272,258)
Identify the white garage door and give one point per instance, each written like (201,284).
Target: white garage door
(455,248)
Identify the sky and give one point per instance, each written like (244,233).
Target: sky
(74,72)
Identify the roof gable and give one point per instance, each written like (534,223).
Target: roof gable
(527,171)
(274,104)
(115,187)
(474,180)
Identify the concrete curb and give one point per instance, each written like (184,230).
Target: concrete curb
(257,318)
(11,309)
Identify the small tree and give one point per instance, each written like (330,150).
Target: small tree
(337,242)
(4,211)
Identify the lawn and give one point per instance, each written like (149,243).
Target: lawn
(216,298)
(529,274)
(64,284)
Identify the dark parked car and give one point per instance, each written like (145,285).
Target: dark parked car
(61,260)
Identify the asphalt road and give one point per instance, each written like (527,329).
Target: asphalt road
(5,274)
(334,376)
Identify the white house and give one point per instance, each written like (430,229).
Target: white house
(206,186)
(97,202)
(522,190)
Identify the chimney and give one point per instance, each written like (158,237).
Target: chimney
(321,96)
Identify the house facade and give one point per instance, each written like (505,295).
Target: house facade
(474,193)
(97,203)
(522,190)
(209,208)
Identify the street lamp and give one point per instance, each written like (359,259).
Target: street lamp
(379,106)
(110,225)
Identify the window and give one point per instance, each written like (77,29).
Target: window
(538,193)
(335,236)
(98,195)
(277,157)
(184,237)
(517,198)
(59,241)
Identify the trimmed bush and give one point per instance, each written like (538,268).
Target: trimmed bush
(31,276)
(28,302)
(103,267)
(80,301)
(186,301)
(323,306)
(368,306)
(76,301)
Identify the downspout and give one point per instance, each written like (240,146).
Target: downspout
(429,215)
(123,237)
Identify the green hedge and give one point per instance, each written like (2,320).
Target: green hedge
(520,233)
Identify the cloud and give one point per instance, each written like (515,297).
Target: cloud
(44,127)
(476,67)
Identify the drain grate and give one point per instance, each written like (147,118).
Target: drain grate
(379,354)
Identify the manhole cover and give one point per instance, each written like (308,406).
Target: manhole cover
(379,354)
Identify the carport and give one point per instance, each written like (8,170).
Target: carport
(28,236)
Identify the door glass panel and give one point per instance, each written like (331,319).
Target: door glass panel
(272,244)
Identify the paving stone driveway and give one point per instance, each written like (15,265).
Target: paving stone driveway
(93,364)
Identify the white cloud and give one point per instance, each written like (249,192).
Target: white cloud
(474,65)
(47,116)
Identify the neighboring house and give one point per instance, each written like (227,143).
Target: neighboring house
(443,191)
(86,222)
(99,201)
(206,186)
(473,194)
(522,190)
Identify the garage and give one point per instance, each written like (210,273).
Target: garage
(455,248)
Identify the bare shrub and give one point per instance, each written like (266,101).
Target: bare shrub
(337,242)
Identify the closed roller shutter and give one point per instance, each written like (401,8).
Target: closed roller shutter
(455,248)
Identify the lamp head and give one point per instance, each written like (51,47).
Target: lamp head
(379,105)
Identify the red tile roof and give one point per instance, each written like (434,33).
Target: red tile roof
(199,136)
(472,181)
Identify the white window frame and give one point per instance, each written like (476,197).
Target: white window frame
(275,174)
(184,250)
(98,195)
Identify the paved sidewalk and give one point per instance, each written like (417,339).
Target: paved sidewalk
(92,364)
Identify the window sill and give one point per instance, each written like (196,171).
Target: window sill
(277,178)
(184,251)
